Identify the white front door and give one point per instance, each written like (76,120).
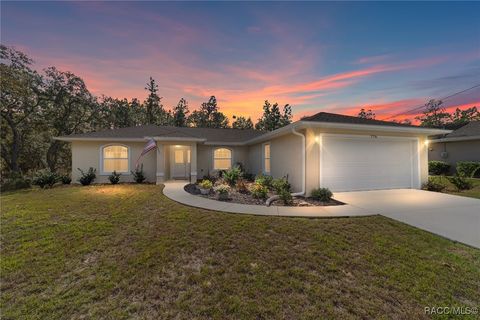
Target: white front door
(349,163)
(180,161)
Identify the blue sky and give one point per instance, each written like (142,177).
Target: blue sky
(317,56)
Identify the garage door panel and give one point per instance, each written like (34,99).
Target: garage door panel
(349,164)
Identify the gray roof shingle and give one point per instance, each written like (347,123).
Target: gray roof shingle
(470,129)
(340,118)
(139,132)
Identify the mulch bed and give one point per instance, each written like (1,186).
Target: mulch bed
(243,198)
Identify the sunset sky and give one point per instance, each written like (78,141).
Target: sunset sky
(335,57)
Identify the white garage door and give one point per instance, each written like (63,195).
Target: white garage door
(349,163)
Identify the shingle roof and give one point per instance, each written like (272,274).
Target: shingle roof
(340,118)
(139,132)
(470,129)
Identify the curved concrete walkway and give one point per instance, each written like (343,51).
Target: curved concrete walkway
(175,191)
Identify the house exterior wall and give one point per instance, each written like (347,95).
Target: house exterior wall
(205,157)
(313,152)
(285,159)
(457,151)
(86,154)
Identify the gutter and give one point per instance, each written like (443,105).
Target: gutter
(301,193)
(453,139)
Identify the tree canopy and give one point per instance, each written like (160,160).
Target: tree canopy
(272,118)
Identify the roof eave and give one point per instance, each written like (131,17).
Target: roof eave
(71,139)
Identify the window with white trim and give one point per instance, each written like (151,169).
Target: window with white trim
(266,158)
(115,158)
(222,159)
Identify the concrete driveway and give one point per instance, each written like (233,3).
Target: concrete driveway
(453,217)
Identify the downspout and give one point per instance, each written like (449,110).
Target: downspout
(301,193)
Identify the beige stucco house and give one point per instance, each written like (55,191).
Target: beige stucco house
(462,144)
(340,152)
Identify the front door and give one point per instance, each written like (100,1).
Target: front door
(181,162)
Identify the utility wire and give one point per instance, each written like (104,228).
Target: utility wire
(423,106)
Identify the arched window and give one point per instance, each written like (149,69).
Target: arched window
(222,159)
(115,158)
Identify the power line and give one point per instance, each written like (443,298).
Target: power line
(423,106)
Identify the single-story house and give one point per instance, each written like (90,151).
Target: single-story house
(462,144)
(343,153)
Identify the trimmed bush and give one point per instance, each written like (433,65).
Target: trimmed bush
(259,191)
(138,174)
(114,178)
(322,194)
(205,184)
(460,182)
(232,175)
(433,184)
(45,178)
(66,179)
(15,182)
(87,177)
(264,180)
(438,167)
(286,197)
(280,185)
(468,168)
(222,191)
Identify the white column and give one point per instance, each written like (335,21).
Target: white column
(193,162)
(160,163)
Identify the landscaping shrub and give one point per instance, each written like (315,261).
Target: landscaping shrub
(232,175)
(114,178)
(468,168)
(286,197)
(138,174)
(87,177)
(433,184)
(15,182)
(280,185)
(258,191)
(242,186)
(438,167)
(66,179)
(249,176)
(45,178)
(222,191)
(322,194)
(460,182)
(205,184)
(264,180)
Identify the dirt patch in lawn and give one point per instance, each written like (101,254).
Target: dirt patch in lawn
(246,198)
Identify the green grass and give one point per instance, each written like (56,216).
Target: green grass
(126,251)
(472,193)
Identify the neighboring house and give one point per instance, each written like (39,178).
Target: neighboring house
(462,144)
(340,152)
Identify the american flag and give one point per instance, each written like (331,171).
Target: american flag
(149,146)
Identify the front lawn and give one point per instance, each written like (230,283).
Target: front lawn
(126,251)
(473,193)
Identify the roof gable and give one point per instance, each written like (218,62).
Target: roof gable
(470,129)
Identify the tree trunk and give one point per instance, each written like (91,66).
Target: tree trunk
(52,155)
(16,144)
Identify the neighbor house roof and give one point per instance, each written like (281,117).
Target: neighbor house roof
(208,135)
(247,136)
(470,131)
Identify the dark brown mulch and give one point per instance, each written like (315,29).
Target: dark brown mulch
(245,198)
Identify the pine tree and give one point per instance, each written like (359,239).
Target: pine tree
(242,123)
(154,112)
(208,116)
(272,118)
(180,112)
